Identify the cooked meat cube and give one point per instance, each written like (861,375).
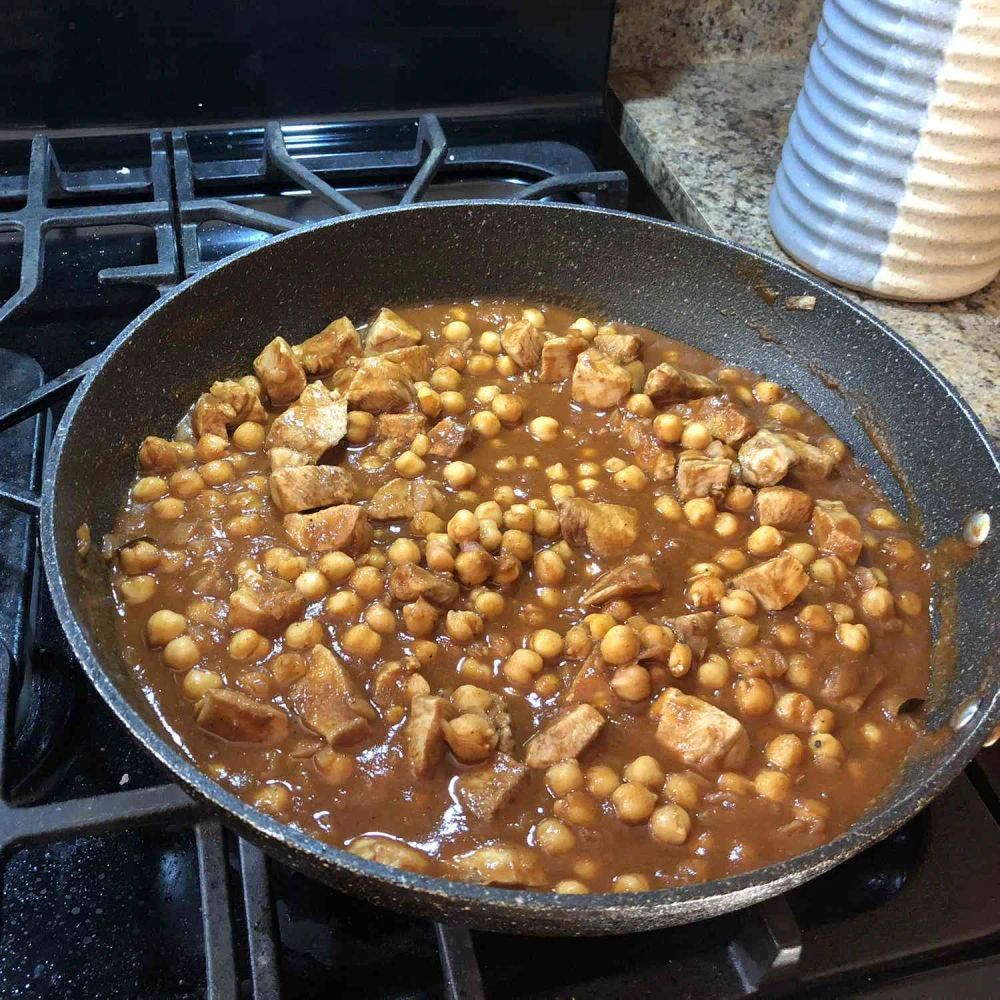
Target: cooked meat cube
(287,458)
(502,864)
(416,361)
(775,583)
(409,581)
(654,457)
(424,733)
(695,629)
(329,702)
(607,529)
(306,487)
(158,456)
(565,738)
(852,696)
(264,603)
(379,386)
(243,404)
(701,735)
(836,530)
(328,350)
(634,578)
(401,427)
(623,347)
(667,384)
(523,343)
(592,684)
(343,528)
(390,852)
(599,382)
(484,792)
(315,422)
(559,355)
(402,498)
(390,332)
(812,461)
(702,477)
(450,437)
(783,507)
(211,416)
(239,718)
(279,371)
(765,459)
(724,419)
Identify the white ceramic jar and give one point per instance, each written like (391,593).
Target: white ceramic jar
(890,176)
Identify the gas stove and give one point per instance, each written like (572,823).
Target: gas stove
(115,883)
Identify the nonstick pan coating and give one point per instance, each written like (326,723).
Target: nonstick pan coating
(933,458)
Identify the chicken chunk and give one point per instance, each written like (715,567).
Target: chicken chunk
(158,456)
(212,416)
(239,718)
(279,371)
(623,347)
(485,791)
(811,461)
(724,419)
(559,356)
(502,864)
(409,582)
(783,507)
(450,437)
(701,735)
(380,386)
(592,685)
(695,630)
(654,457)
(329,702)
(401,427)
(322,354)
(416,361)
(265,603)
(287,458)
(402,498)
(702,477)
(311,425)
(306,487)
(836,530)
(599,382)
(565,738)
(634,578)
(667,384)
(390,332)
(522,343)
(390,852)
(775,583)
(343,528)
(765,459)
(607,529)
(425,733)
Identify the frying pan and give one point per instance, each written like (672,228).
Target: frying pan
(932,458)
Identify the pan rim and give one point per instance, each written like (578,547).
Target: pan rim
(737,890)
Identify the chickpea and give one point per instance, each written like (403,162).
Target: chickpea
(362,641)
(554,837)
(601,780)
(816,618)
(197,683)
(248,436)
(547,643)
(680,659)
(739,602)
(640,404)
(570,887)
(138,589)
(518,544)
(546,522)
(632,683)
(380,619)
(823,721)
(713,672)
(463,526)
(878,602)
(644,770)
(682,789)
(620,645)
(633,803)
(445,378)
(773,785)
(218,472)
(335,768)
(795,710)
(705,592)
(275,800)
(884,520)
(768,392)
(186,483)
(620,610)
(800,672)
(403,551)
(368,582)
(545,429)
(564,777)
(453,403)
(210,447)
(336,566)
(754,695)
(785,414)
(827,751)
(828,571)
(489,605)
(463,626)
(739,499)
(785,751)
(172,560)
(630,478)
(700,512)
(578,808)
(148,489)
(168,509)
(696,436)
(670,824)
(459,475)
(303,635)
(909,603)
(249,645)
(803,552)
(585,327)
(508,408)
(181,653)
(854,637)
(519,517)
(163,626)
(631,882)
(480,364)
(521,666)
(561,491)
(765,541)
(312,584)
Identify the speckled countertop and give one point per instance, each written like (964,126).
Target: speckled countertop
(708,137)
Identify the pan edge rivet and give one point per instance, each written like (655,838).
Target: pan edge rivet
(976,528)
(964,714)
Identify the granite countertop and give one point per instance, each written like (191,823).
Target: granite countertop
(708,138)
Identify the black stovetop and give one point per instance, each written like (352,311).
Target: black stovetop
(114,884)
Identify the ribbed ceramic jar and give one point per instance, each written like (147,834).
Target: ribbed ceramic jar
(890,176)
